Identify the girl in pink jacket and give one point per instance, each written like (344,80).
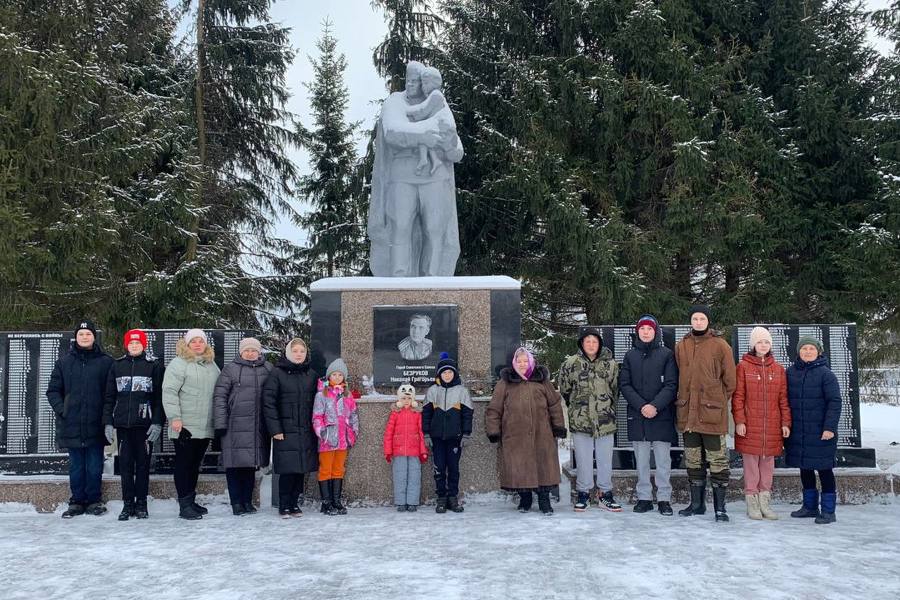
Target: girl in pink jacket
(336,423)
(404,448)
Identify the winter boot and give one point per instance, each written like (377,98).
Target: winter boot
(238,510)
(401,508)
(325,492)
(453,505)
(186,509)
(336,485)
(127,511)
(441,506)
(810,508)
(764,508)
(544,502)
(412,507)
(664,508)
(525,500)
(719,502)
(140,509)
(200,509)
(606,501)
(284,506)
(753,507)
(249,509)
(582,501)
(96,509)
(829,502)
(643,506)
(73,511)
(698,499)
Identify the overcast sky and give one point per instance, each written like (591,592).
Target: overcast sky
(358,28)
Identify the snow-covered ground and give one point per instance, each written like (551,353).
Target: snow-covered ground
(490,551)
(881,430)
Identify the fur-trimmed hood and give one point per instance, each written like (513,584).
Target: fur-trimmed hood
(184,351)
(539,375)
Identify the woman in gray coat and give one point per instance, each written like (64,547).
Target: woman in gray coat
(237,414)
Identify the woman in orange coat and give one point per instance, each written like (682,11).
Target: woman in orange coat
(762,419)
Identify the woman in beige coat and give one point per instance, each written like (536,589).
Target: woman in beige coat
(525,415)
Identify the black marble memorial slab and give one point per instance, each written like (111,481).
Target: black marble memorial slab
(506,327)
(408,342)
(325,332)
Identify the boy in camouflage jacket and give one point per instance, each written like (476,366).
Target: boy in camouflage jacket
(589,383)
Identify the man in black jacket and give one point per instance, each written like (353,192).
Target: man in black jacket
(75,392)
(133,406)
(648,380)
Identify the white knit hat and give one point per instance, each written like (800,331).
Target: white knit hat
(758,334)
(194,333)
(249,344)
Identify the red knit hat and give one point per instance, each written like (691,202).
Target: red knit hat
(133,335)
(648,320)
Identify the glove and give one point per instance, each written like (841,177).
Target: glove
(220,433)
(387,457)
(185,434)
(423,459)
(153,433)
(464,441)
(560,432)
(494,438)
(428,442)
(109,431)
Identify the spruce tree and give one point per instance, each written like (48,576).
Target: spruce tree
(335,226)
(233,267)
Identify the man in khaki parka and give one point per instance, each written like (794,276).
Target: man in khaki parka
(589,383)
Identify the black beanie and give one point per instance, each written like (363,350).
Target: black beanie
(86,324)
(446,363)
(700,308)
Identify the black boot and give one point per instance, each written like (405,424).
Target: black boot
(200,509)
(453,504)
(698,499)
(284,506)
(643,506)
(441,506)
(719,502)
(249,508)
(525,500)
(544,502)
(127,511)
(140,509)
(295,498)
(336,485)
(186,509)
(810,508)
(238,510)
(74,510)
(325,492)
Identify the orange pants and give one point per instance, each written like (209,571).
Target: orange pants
(331,464)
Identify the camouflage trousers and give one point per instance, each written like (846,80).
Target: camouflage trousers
(702,449)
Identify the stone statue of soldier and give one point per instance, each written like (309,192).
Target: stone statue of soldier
(413,226)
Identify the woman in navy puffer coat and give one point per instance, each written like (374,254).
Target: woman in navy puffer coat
(815,399)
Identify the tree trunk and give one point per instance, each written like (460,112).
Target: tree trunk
(191,253)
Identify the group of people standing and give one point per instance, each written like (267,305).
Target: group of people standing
(307,424)
(687,391)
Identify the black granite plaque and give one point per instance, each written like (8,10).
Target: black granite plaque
(325,330)
(28,425)
(506,327)
(408,341)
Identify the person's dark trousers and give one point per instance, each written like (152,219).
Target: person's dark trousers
(134,462)
(240,484)
(826,477)
(188,459)
(85,474)
(290,486)
(446,455)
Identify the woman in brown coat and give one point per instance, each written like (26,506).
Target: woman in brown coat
(762,419)
(524,415)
